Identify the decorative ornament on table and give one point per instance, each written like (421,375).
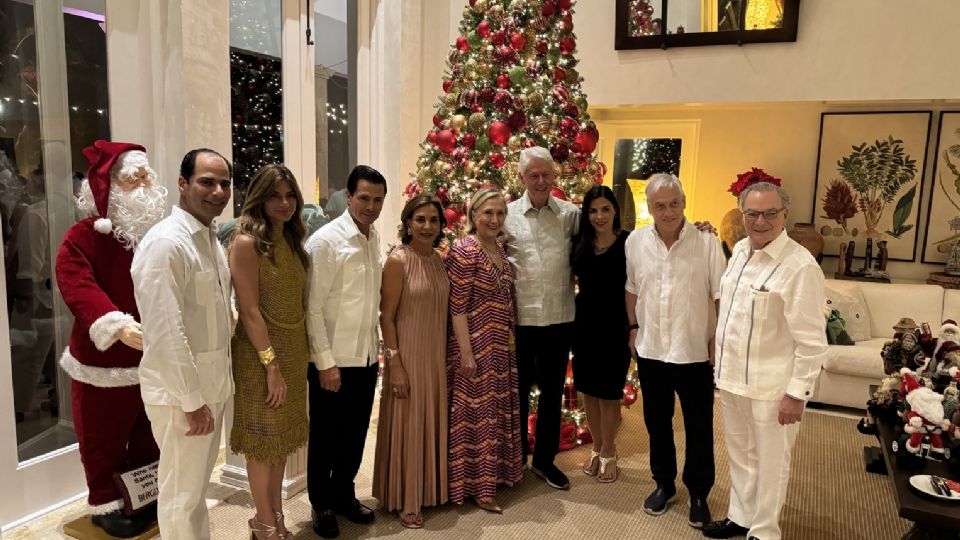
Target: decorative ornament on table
(731,226)
(923,416)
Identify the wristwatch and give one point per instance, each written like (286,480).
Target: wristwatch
(389,353)
(633,326)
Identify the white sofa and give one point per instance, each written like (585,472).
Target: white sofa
(850,370)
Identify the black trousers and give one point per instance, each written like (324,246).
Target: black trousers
(693,384)
(542,355)
(338,431)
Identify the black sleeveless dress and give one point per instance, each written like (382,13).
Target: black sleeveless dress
(601,356)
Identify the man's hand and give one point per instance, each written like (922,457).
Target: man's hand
(791,410)
(131,335)
(201,422)
(705,226)
(330,379)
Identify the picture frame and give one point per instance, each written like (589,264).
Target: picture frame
(869,180)
(943,209)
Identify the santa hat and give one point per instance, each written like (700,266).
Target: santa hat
(102,155)
(909,380)
(950,325)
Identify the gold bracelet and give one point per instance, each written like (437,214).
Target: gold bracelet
(267,356)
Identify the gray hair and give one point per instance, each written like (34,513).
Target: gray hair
(765,187)
(479,199)
(534,152)
(664,180)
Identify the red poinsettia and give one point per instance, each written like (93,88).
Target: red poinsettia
(749,178)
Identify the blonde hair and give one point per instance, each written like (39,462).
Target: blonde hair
(479,199)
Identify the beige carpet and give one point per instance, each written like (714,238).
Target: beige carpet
(830,497)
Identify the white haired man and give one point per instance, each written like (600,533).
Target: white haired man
(540,230)
(673,284)
(770,344)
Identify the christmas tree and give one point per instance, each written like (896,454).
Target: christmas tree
(511,82)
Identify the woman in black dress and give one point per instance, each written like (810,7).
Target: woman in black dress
(600,353)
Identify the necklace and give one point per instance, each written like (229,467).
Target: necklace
(493,253)
(599,249)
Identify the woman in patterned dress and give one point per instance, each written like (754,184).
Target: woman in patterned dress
(270,352)
(410,468)
(484,436)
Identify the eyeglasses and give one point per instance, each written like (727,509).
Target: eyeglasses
(753,215)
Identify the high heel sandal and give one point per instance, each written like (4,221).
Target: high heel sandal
(604,462)
(412,521)
(589,469)
(256,528)
(282,532)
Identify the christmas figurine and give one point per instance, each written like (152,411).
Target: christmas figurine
(923,416)
(849,257)
(904,351)
(103,355)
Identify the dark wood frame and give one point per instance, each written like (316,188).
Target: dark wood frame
(623,40)
(933,192)
(921,171)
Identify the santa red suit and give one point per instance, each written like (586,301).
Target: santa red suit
(93,272)
(923,415)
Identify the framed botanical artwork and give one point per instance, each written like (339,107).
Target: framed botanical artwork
(869,179)
(943,215)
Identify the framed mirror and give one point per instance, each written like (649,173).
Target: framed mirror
(659,24)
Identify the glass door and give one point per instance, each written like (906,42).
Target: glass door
(53,103)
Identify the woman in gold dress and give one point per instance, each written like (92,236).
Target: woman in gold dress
(270,351)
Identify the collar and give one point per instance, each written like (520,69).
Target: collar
(526,205)
(350,228)
(775,247)
(684,230)
(193,224)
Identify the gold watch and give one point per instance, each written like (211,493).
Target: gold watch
(267,356)
(389,353)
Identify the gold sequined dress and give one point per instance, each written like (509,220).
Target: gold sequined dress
(263,434)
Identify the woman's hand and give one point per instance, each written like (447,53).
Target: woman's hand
(468,367)
(276,386)
(398,381)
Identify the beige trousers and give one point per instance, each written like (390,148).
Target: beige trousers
(184,472)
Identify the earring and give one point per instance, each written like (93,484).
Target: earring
(408,232)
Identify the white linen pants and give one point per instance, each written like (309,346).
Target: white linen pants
(759,451)
(184,471)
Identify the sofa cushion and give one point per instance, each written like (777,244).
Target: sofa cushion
(860,360)
(951,304)
(888,303)
(846,297)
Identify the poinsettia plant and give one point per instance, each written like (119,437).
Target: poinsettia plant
(749,178)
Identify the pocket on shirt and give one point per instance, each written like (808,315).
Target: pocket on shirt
(203,283)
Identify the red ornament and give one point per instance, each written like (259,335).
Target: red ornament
(462,44)
(503,100)
(486,94)
(560,151)
(447,85)
(541,47)
(583,143)
(460,155)
(441,194)
(533,67)
(583,162)
(484,28)
(584,436)
(497,160)
(529,143)
(517,41)
(446,141)
(548,8)
(517,120)
(558,193)
(568,435)
(559,74)
(598,180)
(499,37)
(561,93)
(568,128)
(506,55)
(499,132)
(566,26)
(567,46)
(600,173)
(469,140)
(452,216)
(472,2)
(503,81)
(629,395)
(432,137)
(412,189)
(571,110)
(563,5)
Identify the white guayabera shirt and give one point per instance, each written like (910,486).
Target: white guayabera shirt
(182,285)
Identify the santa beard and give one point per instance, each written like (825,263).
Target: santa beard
(134,212)
(927,404)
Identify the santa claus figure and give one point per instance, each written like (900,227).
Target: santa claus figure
(923,415)
(93,272)
(947,343)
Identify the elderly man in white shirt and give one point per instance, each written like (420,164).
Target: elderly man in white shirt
(770,344)
(539,235)
(673,282)
(182,287)
(343,299)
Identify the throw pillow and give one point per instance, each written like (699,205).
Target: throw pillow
(847,298)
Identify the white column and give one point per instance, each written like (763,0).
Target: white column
(321,75)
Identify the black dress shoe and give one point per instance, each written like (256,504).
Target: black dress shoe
(116,524)
(356,512)
(325,523)
(723,529)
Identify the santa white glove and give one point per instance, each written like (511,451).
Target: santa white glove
(916,422)
(131,336)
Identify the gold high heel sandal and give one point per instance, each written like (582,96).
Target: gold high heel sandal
(282,531)
(256,528)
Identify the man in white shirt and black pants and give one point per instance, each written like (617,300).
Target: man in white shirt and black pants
(771,343)
(673,282)
(343,301)
(182,287)
(540,231)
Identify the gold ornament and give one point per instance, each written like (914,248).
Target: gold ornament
(495,13)
(473,183)
(477,121)
(469,168)
(423,175)
(480,6)
(593,168)
(514,143)
(458,122)
(535,100)
(541,125)
(452,99)
(571,76)
(437,168)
